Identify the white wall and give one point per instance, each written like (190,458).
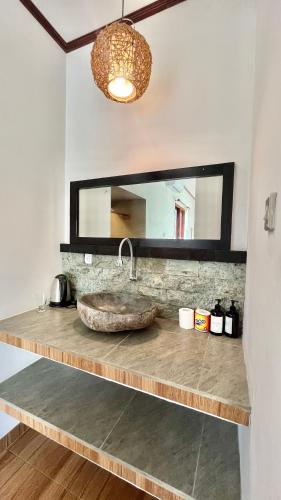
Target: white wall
(95,212)
(244,435)
(208,208)
(32,122)
(262,337)
(12,360)
(197,109)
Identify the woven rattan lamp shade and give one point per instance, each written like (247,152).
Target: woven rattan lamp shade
(121,62)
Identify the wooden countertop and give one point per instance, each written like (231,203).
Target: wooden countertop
(193,369)
(167,450)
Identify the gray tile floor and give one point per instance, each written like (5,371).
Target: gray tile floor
(194,453)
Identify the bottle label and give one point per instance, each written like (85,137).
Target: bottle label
(216,324)
(228,325)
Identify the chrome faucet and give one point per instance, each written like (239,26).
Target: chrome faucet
(119,263)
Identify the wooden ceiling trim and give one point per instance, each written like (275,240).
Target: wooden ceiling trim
(136,16)
(29,5)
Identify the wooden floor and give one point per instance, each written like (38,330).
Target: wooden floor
(35,467)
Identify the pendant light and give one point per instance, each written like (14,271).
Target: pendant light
(121,61)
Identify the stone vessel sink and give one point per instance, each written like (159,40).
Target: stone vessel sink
(116,312)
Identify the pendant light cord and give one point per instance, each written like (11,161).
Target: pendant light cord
(126,19)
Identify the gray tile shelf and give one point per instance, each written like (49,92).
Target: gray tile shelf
(169,451)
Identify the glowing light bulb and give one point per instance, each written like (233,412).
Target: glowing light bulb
(121,88)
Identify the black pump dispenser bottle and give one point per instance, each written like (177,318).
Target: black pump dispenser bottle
(231,327)
(217,319)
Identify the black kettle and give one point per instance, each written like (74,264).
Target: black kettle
(60,292)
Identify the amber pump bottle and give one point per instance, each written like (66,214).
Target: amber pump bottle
(217,319)
(231,327)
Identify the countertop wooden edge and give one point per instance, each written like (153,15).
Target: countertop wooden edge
(185,397)
(114,465)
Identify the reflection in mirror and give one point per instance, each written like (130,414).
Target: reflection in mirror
(172,209)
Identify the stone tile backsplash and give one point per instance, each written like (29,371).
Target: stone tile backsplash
(170,283)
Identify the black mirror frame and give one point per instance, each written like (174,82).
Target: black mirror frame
(163,248)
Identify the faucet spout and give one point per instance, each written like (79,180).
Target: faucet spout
(119,263)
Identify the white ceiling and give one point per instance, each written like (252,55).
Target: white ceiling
(73,18)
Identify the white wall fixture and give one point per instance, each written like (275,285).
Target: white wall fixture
(270,212)
(88,259)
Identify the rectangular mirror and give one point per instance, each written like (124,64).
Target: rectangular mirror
(183,208)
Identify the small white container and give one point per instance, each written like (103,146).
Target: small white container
(186,318)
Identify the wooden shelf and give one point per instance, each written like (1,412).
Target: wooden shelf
(211,255)
(164,449)
(196,370)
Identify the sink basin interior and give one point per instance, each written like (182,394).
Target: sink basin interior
(117,303)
